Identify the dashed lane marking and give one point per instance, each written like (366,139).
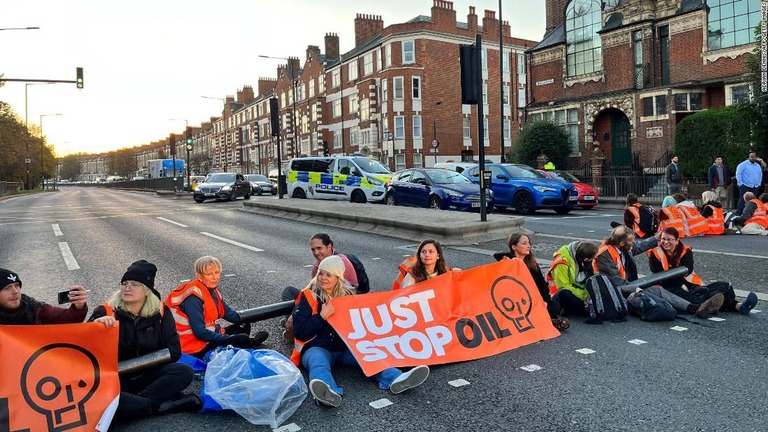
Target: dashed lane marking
(375,259)
(458,382)
(716,319)
(69,259)
(585,351)
(531,368)
(173,222)
(755,311)
(230,275)
(380,403)
(56,230)
(291,427)
(232,242)
(637,341)
(678,328)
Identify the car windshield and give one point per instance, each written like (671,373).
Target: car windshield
(562,175)
(446,177)
(221,178)
(257,178)
(523,171)
(371,166)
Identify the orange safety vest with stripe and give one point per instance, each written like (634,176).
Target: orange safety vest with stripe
(212,311)
(615,257)
(715,221)
(660,255)
(549,278)
(405,268)
(298,345)
(635,210)
(760,216)
(695,223)
(674,218)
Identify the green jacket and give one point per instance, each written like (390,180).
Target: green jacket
(563,275)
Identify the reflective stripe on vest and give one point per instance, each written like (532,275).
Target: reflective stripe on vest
(760,216)
(674,219)
(550,279)
(212,311)
(615,257)
(660,255)
(298,345)
(635,210)
(715,221)
(695,223)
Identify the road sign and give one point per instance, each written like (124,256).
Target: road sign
(28,161)
(434,150)
(435,143)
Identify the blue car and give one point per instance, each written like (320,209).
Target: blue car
(525,189)
(435,188)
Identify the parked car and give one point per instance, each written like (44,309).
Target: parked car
(455,166)
(587,195)
(195,180)
(223,186)
(525,189)
(260,184)
(436,188)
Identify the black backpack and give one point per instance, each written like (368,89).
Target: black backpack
(651,307)
(606,301)
(649,220)
(363,284)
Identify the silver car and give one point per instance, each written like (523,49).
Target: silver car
(263,182)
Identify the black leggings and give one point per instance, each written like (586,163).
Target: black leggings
(141,394)
(571,304)
(240,337)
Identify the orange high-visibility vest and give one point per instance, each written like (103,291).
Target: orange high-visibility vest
(298,345)
(551,280)
(635,210)
(674,218)
(405,268)
(695,223)
(212,311)
(715,221)
(760,216)
(660,255)
(615,256)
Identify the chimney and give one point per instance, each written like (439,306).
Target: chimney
(240,96)
(443,15)
(472,19)
(266,84)
(505,29)
(490,23)
(313,52)
(294,67)
(332,45)
(247,94)
(555,13)
(367,26)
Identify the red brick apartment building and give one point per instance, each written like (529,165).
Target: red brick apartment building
(624,73)
(389,97)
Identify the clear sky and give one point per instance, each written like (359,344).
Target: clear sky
(147,62)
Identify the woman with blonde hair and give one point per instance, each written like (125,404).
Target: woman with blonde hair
(712,211)
(318,347)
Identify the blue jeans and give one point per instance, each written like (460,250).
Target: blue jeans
(319,361)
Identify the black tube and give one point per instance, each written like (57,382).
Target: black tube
(266,312)
(646,281)
(156,358)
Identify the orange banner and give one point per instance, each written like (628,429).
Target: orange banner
(454,317)
(58,377)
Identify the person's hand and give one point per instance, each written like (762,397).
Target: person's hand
(108,321)
(78,296)
(658,237)
(327,310)
(456,270)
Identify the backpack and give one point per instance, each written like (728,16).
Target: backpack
(363,284)
(651,307)
(605,301)
(649,220)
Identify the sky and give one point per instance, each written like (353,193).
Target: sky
(147,64)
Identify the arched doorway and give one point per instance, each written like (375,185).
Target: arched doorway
(612,129)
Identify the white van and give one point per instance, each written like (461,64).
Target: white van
(355,178)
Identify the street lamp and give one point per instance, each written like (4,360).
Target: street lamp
(20,28)
(225,118)
(435,142)
(42,141)
(188,146)
(27,160)
(293,90)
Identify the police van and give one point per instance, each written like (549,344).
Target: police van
(355,178)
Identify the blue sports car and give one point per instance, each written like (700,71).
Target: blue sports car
(435,188)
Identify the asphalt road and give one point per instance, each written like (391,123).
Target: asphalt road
(641,376)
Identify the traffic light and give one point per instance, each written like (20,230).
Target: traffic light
(189,136)
(470,74)
(173,144)
(79,79)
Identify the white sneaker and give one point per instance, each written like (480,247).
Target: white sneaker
(323,393)
(408,380)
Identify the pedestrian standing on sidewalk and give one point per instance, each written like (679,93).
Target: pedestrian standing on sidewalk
(672,176)
(719,177)
(749,177)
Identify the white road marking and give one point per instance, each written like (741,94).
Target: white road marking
(184,280)
(308,266)
(173,222)
(585,351)
(743,294)
(226,240)
(716,319)
(230,275)
(291,427)
(755,311)
(271,271)
(375,259)
(458,382)
(531,368)
(678,328)
(56,230)
(380,403)
(69,259)
(637,341)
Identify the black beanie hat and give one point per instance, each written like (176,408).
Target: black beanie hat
(8,277)
(144,272)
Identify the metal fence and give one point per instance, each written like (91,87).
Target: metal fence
(10,187)
(650,187)
(147,184)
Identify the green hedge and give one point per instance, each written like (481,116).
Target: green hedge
(542,137)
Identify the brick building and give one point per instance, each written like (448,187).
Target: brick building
(624,73)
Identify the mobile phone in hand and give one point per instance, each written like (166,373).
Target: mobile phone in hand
(64,297)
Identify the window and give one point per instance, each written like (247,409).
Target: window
(388,56)
(485,93)
(569,119)
(409,52)
(485,129)
(506,129)
(337,139)
(583,44)
(484,58)
(336,108)
(368,64)
(417,160)
(688,102)
(398,83)
(399,162)
(740,94)
(335,78)
(466,132)
(352,70)
(353,105)
(378,59)
(321,84)
(304,124)
(313,109)
(655,106)
(637,48)
(399,127)
(365,113)
(353,137)
(731,23)
(383,89)
(664,54)
(417,126)
(505,95)
(661,105)
(416,87)
(312,87)
(505,63)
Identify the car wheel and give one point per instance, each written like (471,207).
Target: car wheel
(523,203)
(563,210)
(274,192)
(390,199)
(247,196)
(199,200)
(299,193)
(260,192)
(435,203)
(358,196)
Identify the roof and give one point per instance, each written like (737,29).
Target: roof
(554,37)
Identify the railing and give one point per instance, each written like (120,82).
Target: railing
(147,184)
(649,188)
(10,187)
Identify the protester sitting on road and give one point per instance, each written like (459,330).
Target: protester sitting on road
(712,211)
(671,216)
(146,325)
(570,268)
(754,218)
(318,347)
(520,247)
(428,262)
(321,246)
(615,260)
(197,306)
(672,253)
(695,224)
(20,309)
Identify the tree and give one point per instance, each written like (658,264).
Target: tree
(70,167)
(122,162)
(542,137)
